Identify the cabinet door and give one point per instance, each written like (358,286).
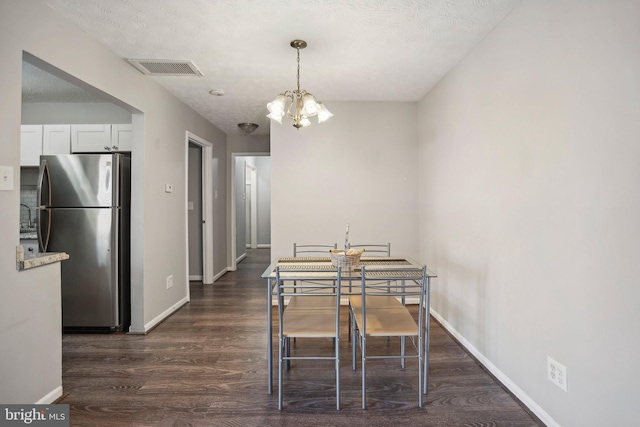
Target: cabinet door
(56,139)
(90,138)
(30,145)
(122,137)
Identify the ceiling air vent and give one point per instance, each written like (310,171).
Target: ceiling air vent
(163,67)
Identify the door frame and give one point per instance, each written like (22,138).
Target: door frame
(207,206)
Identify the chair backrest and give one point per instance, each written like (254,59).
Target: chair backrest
(374,249)
(312,249)
(321,282)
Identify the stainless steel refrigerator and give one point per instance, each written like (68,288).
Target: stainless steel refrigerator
(84,210)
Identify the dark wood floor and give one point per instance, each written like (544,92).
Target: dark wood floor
(206,366)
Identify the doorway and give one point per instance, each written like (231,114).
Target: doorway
(250,204)
(194,212)
(199,206)
(251,201)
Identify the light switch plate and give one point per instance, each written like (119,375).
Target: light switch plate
(190,206)
(6,178)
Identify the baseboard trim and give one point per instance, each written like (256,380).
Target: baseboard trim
(500,376)
(219,275)
(264,246)
(195,278)
(241,257)
(162,316)
(50,397)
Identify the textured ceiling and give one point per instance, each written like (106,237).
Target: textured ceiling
(41,86)
(359,50)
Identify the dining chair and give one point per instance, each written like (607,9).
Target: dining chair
(312,249)
(372,250)
(377,250)
(314,313)
(379,312)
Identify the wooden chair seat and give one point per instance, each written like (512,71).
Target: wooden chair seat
(311,303)
(387,322)
(309,323)
(383,301)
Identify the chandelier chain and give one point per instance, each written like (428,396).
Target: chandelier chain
(298,49)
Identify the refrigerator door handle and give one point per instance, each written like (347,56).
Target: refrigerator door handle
(43,242)
(115,185)
(115,268)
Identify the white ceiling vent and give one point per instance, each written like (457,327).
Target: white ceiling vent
(164,67)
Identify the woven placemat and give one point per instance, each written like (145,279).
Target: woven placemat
(306,267)
(304,259)
(386,261)
(398,261)
(413,274)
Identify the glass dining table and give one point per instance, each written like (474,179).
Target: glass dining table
(348,276)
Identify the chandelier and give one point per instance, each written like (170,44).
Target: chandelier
(297,104)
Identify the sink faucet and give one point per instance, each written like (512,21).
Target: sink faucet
(30,223)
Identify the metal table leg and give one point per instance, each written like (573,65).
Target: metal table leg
(269,336)
(426,335)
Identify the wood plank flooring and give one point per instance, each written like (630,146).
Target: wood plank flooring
(206,366)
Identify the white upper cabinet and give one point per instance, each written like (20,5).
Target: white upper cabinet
(56,139)
(36,140)
(101,138)
(122,137)
(30,145)
(90,138)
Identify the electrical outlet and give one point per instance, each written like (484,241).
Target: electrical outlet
(169,281)
(557,373)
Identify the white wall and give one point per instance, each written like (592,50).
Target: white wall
(30,359)
(68,113)
(360,168)
(529,175)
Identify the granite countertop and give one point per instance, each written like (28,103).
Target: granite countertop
(25,262)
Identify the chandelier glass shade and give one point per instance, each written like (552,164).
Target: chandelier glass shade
(298,104)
